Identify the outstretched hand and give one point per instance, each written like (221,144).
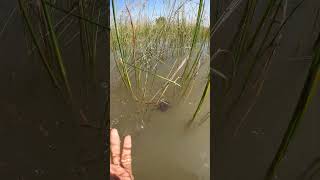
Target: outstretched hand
(120,163)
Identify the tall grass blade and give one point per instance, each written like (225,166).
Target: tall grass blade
(124,70)
(224,16)
(195,35)
(285,22)
(204,94)
(77,16)
(258,55)
(40,52)
(204,119)
(262,22)
(56,48)
(308,91)
(243,41)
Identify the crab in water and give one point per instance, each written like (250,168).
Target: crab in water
(163,105)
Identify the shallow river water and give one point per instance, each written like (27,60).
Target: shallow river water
(162,147)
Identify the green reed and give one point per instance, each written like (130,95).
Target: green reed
(56,47)
(152,58)
(253,48)
(38,47)
(306,96)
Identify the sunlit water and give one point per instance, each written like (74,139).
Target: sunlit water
(162,147)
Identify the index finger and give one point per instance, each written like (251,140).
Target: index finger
(115,146)
(126,159)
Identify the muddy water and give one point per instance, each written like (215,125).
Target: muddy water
(162,148)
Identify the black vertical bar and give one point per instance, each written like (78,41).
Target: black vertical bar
(212,136)
(107,114)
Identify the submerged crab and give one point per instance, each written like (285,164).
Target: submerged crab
(162,105)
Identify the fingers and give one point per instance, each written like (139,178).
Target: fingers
(120,172)
(126,159)
(114,177)
(115,146)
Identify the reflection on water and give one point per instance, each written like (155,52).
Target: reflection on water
(162,148)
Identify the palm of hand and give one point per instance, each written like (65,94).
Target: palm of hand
(119,173)
(120,164)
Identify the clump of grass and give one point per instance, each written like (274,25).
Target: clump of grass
(46,29)
(156,58)
(253,47)
(254,44)
(44,32)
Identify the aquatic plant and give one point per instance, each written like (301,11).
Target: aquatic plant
(306,96)
(38,47)
(46,34)
(156,58)
(203,97)
(253,47)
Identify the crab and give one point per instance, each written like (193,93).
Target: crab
(163,105)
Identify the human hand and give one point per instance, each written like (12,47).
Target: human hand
(120,164)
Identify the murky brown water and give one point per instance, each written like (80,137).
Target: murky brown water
(162,148)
